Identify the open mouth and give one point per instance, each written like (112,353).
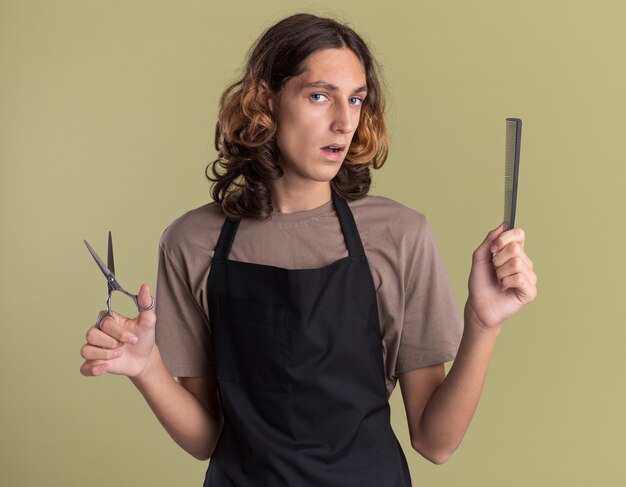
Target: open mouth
(334,148)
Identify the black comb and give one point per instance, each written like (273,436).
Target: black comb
(511,168)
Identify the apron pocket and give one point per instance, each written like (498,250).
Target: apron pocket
(253,344)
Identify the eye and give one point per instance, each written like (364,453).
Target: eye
(355,101)
(317,96)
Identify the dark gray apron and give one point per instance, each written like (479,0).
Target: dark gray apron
(298,355)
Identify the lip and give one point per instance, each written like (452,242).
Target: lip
(341,146)
(333,156)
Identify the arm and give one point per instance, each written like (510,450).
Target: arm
(439,410)
(189,411)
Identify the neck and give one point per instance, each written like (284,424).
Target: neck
(289,199)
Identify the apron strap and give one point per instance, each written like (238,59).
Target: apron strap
(348,226)
(346,220)
(227,237)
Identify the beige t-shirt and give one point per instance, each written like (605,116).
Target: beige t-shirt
(419,321)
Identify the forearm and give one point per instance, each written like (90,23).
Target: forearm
(449,411)
(182,415)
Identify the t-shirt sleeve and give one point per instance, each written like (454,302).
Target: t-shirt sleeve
(432,326)
(182,332)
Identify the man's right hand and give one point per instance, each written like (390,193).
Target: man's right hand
(121,345)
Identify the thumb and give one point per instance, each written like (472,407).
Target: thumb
(485,247)
(145,300)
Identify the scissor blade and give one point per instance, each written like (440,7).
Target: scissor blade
(107,273)
(110,259)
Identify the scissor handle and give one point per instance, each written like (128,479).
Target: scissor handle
(101,317)
(141,309)
(132,296)
(108,312)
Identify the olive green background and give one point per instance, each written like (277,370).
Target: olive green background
(107,112)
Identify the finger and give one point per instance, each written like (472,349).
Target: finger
(147,317)
(513,266)
(98,338)
(144,298)
(89,352)
(516,265)
(505,238)
(515,269)
(514,249)
(483,249)
(93,368)
(524,289)
(112,327)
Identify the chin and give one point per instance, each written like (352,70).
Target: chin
(325,177)
(320,172)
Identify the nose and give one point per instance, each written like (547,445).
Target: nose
(343,118)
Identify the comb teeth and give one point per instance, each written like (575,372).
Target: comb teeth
(511,168)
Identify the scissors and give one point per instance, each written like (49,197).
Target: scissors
(112,284)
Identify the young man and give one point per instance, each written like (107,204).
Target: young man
(289,306)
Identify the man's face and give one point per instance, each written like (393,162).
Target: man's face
(317,109)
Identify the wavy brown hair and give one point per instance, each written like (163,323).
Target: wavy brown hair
(244,134)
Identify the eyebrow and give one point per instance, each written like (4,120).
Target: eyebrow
(331,87)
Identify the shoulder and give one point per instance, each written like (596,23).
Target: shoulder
(378,215)
(197,228)
(383,206)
